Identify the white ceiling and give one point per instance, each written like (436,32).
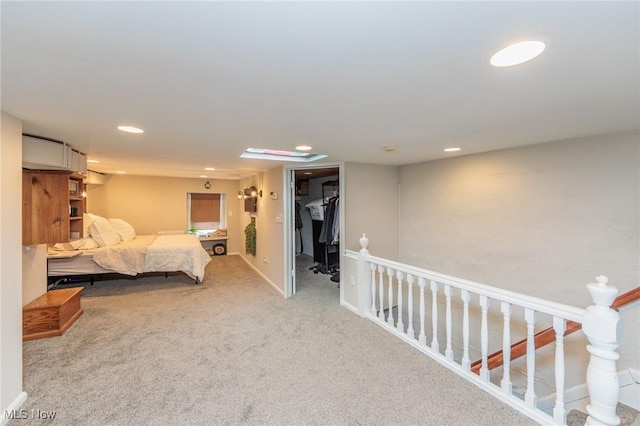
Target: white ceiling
(206,80)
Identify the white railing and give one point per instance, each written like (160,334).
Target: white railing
(387,293)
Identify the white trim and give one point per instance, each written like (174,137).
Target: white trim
(350,254)
(552,308)
(262,275)
(634,375)
(15,405)
(289,247)
(349,307)
(577,398)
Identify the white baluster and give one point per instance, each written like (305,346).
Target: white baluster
(390,316)
(381,292)
(434,316)
(530,395)
(559,326)
(449,350)
(410,332)
(506,348)
(373,289)
(400,325)
(484,339)
(466,362)
(422,337)
(602,325)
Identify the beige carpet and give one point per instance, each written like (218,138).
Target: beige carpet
(163,351)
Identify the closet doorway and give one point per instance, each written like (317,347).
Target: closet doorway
(314,229)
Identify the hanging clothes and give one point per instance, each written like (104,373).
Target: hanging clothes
(329,233)
(299,226)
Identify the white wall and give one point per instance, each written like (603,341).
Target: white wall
(371,207)
(34,272)
(544,218)
(541,220)
(269,259)
(370,203)
(11,395)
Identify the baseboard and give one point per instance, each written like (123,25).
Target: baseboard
(279,290)
(14,407)
(578,397)
(350,307)
(630,390)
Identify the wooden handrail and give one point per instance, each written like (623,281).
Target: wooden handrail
(544,337)
(626,298)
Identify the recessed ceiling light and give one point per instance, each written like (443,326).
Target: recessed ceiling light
(209,169)
(453,149)
(92,161)
(203,176)
(517,53)
(120,172)
(389,148)
(304,148)
(307,173)
(130,129)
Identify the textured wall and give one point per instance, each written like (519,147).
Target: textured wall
(541,220)
(544,218)
(371,207)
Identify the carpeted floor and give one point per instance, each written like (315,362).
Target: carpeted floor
(163,351)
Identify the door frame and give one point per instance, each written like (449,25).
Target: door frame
(289,222)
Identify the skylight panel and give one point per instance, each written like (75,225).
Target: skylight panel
(281,155)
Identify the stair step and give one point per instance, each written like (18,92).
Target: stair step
(628,416)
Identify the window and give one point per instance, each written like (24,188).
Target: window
(206,213)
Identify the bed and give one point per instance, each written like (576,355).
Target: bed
(129,254)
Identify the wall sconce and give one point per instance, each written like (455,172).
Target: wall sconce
(240,195)
(207,185)
(252,192)
(274,195)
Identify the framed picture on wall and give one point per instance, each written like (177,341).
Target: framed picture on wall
(302,187)
(73,188)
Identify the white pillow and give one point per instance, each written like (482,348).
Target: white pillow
(85,244)
(87,219)
(126,231)
(102,231)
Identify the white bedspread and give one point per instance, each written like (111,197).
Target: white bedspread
(151,253)
(126,258)
(184,253)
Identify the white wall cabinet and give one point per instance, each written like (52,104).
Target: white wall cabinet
(44,154)
(95,178)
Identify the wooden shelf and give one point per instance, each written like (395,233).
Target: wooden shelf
(48,200)
(51,314)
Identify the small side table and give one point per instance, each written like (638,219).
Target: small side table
(51,314)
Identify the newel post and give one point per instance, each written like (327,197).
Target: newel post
(364,278)
(602,326)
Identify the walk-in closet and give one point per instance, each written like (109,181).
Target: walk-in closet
(317,233)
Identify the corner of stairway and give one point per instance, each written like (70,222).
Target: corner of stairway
(628,416)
